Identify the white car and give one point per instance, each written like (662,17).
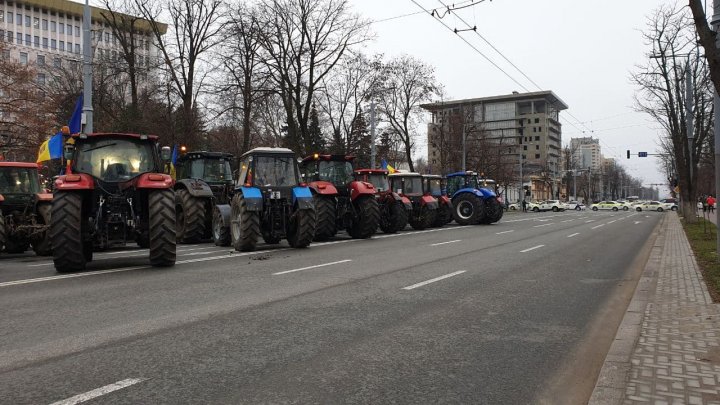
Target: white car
(652,206)
(549,205)
(574,205)
(669,206)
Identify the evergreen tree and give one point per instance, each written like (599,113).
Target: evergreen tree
(315,141)
(360,140)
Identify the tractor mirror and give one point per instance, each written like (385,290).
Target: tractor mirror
(69,152)
(165,153)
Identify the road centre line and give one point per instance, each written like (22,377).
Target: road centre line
(532,248)
(587,222)
(597,226)
(573,235)
(445,243)
(500,233)
(612,221)
(432,280)
(311,267)
(98,392)
(538,226)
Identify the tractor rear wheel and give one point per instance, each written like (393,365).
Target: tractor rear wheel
(368,218)
(326,217)
(444,215)
(41,244)
(66,232)
(424,220)
(493,211)
(221,230)
(397,218)
(302,228)
(162,228)
(244,225)
(468,209)
(190,217)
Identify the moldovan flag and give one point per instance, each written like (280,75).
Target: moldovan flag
(51,149)
(387,167)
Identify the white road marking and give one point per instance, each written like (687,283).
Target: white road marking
(637,222)
(532,248)
(573,235)
(432,280)
(142,252)
(587,222)
(612,221)
(538,226)
(500,233)
(311,267)
(98,392)
(597,226)
(445,243)
(568,220)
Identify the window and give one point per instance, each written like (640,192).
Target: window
(28,40)
(18,37)
(45,43)
(2,17)
(534,129)
(537,147)
(77,48)
(62,45)
(537,138)
(77,31)
(524,157)
(18,19)
(107,37)
(10,36)
(57,63)
(53,44)
(41,60)
(9,17)
(537,156)
(37,41)
(36,23)
(2,35)
(53,26)
(6,54)
(69,47)
(23,58)
(62,28)
(41,78)
(524,147)
(45,25)
(537,120)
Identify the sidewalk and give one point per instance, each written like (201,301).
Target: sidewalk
(667,348)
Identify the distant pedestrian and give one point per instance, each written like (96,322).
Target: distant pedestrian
(524,204)
(711,203)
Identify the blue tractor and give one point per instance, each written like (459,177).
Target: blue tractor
(270,201)
(473,201)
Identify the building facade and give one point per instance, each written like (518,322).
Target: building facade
(500,132)
(586,153)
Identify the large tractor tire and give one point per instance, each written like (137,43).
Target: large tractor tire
(367,220)
(444,216)
(326,215)
(221,230)
(190,217)
(3,232)
(424,220)
(244,225)
(397,218)
(162,228)
(41,243)
(468,209)
(302,228)
(66,232)
(493,211)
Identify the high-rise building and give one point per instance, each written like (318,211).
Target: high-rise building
(586,153)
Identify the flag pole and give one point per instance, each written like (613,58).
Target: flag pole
(87,71)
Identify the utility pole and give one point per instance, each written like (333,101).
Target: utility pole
(716,25)
(372,132)
(463,143)
(689,117)
(522,190)
(87,71)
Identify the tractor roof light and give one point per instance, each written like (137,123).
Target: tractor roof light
(316,156)
(144,137)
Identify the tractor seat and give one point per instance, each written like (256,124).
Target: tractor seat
(115,171)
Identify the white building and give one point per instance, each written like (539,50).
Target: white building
(586,153)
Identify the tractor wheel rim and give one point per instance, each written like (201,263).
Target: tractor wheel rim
(236,227)
(216,229)
(465,210)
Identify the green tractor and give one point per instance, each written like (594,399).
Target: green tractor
(203,191)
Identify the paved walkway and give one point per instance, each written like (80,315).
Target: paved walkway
(667,349)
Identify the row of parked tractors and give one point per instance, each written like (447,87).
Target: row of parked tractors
(116,190)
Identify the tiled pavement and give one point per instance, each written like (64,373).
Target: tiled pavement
(667,350)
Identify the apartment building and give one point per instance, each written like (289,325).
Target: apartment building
(586,153)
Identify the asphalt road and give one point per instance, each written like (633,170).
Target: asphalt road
(480,314)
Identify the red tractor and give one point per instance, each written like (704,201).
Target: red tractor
(113,193)
(394,209)
(424,206)
(24,209)
(341,202)
(433,185)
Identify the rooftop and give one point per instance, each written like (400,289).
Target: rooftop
(547,95)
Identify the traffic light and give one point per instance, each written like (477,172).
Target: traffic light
(628,154)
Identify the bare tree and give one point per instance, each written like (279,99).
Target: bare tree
(406,83)
(304,41)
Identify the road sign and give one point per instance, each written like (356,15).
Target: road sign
(642,154)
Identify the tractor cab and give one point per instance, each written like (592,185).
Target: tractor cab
(377,177)
(424,206)
(461,180)
(334,169)
(19,185)
(211,167)
(433,185)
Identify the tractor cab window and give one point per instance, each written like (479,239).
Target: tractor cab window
(455,183)
(380,181)
(434,187)
(114,159)
(211,170)
(408,185)
(271,171)
(338,173)
(18,180)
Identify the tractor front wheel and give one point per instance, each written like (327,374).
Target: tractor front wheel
(244,225)
(368,218)
(468,209)
(66,232)
(302,228)
(162,228)
(424,220)
(444,216)
(493,211)
(326,217)
(41,244)
(190,217)
(397,218)
(221,230)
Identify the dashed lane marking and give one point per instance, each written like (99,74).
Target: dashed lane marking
(311,267)
(98,392)
(432,280)
(532,248)
(597,226)
(538,226)
(445,243)
(573,235)
(500,233)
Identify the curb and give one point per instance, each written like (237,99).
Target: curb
(613,377)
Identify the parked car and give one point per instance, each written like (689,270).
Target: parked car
(574,205)
(514,206)
(534,206)
(607,205)
(651,206)
(669,205)
(626,205)
(550,205)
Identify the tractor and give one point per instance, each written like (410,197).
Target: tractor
(473,203)
(433,185)
(202,194)
(24,209)
(270,201)
(394,210)
(424,206)
(341,201)
(113,193)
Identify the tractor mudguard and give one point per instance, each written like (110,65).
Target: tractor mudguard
(445,200)
(154,181)
(41,197)
(196,188)
(2,198)
(406,201)
(225,212)
(302,196)
(322,187)
(481,193)
(361,188)
(253,198)
(429,201)
(487,193)
(69,182)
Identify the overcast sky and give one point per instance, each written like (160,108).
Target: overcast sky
(582,50)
